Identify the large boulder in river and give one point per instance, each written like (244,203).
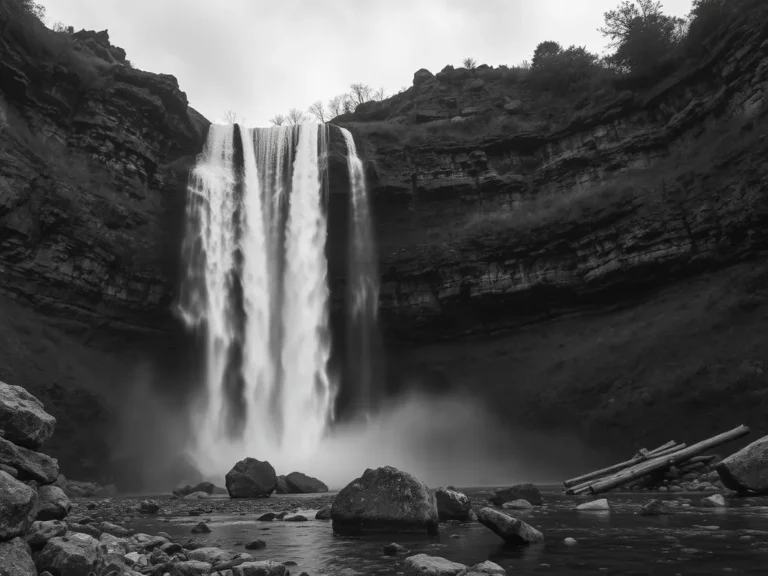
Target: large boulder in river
(282,486)
(31,465)
(23,418)
(517,492)
(302,484)
(747,470)
(508,528)
(16,559)
(452,504)
(17,500)
(426,565)
(251,478)
(385,500)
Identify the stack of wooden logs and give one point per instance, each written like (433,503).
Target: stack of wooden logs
(648,463)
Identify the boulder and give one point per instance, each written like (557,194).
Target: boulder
(30,464)
(251,478)
(714,501)
(9,470)
(149,507)
(425,565)
(196,496)
(518,492)
(210,554)
(71,555)
(16,559)
(385,500)
(115,530)
(41,532)
(508,528)
(17,500)
(421,76)
(23,418)
(256,544)
(302,484)
(52,503)
(452,505)
(655,508)
(746,470)
(394,548)
(206,487)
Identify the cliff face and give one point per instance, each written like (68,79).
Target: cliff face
(489,215)
(95,156)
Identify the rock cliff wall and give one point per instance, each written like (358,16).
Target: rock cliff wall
(489,214)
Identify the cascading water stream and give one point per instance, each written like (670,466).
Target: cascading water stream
(363,367)
(256,281)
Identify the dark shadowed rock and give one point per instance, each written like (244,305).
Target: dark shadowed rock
(486,567)
(201,528)
(30,464)
(149,507)
(256,544)
(655,508)
(52,503)
(9,470)
(508,528)
(251,478)
(16,559)
(115,530)
(40,532)
(23,418)
(425,565)
(70,555)
(268,517)
(518,492)
(89,529)
(452,505)
(385,500)
(394,548)
(206,487)
(746,470)
(268,568)
(324,513)
(421,76)
(295,518)
(17,500)
(300,483)
(282,486)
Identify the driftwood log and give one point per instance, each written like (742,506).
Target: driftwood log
(645,463)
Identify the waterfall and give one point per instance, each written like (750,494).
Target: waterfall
(256,284)
(362,335)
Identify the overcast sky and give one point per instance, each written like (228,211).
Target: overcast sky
(259,57)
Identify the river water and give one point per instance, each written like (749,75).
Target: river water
(694,540)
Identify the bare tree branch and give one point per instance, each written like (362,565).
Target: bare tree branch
(295,116)
(278,119)
(318,111)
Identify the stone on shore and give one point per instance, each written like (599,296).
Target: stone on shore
(17,501)
(714,501)
(452,504)
(52,503)
(385,500)
(425,565)
(517,505)
(268,568)
(190,568)
(251,478)
(655,508)
(23,418)
(207,487)
(601,505)
(527,492)
(71,555)
(486,567)
(508,528)
(16,559)
(30,464)
(40,533)
(196,496)
(300,483)
(324,513)
(746,470)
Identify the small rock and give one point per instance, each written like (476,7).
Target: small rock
(655,508)
(255,545)
(425,565)
(517,505)
(324,513)
(296,518)
(149,507)
(52,503)
(570,541)
(41,532)
(394,548)
(268,517)
(201,528)
(16,559)
(714,501)
(595,505)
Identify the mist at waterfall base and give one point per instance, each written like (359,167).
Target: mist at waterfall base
(256,289)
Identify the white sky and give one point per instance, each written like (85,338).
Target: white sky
(259,57)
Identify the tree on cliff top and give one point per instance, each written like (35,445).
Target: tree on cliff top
(278,119)
(469,63)
(642,35)
(37,10)
(318,111)
(295,116)
(561,71)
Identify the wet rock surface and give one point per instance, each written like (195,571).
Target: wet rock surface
(385,500)
(746,471)
(251,478)
(23,418)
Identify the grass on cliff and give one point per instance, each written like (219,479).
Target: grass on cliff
(663,186)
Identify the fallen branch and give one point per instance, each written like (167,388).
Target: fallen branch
(665,461)
(641,456)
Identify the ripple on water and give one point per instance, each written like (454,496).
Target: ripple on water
(692,541)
